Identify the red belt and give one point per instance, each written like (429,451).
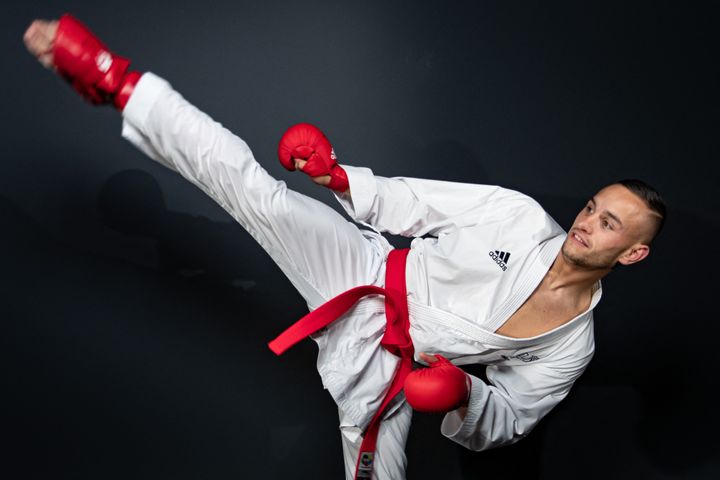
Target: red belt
(396,339)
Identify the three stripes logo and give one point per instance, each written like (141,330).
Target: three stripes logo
(501,258)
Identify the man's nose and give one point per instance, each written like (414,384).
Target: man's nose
(585,224)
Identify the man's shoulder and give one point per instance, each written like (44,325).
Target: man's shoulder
(529,218)
(577,348)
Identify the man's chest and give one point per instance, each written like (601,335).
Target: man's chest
(541,313)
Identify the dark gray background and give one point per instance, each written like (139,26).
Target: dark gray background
(135,312)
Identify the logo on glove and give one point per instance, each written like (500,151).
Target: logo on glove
(103,61)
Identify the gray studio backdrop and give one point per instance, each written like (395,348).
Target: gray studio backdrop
(135,312)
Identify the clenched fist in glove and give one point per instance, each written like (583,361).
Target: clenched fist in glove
(441,387)
(68,47)
(305,147)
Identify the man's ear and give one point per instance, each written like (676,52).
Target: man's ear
(634,254)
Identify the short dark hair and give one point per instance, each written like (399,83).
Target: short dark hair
(652,199)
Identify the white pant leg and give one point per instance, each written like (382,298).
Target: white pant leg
(390,459)
(320,252)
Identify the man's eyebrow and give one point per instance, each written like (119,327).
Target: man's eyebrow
(608,213)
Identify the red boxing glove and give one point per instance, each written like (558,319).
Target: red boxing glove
(439,388)
(307,142)
(93,71)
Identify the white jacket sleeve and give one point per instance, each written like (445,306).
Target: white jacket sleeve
(507,410)
(414,207)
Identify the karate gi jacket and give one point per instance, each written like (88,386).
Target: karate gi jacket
(480,252)
(484,251)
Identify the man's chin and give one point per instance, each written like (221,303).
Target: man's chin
(585,262)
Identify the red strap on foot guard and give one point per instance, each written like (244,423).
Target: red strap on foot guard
(396,340)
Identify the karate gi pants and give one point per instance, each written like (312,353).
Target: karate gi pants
(320,252)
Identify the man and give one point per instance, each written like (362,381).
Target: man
(490,278)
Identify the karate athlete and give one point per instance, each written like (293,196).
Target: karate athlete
(489,278)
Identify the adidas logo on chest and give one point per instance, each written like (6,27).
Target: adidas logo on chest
(501,258)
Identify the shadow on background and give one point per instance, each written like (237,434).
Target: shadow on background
(154,372)
(131,203)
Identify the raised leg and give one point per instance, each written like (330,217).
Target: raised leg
(320,252)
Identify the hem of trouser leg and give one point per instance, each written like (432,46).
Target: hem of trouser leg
(146,93)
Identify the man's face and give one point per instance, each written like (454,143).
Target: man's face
(608,230)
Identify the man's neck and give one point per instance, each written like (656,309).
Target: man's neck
(564,275)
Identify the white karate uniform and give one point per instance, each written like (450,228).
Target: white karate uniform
(485,251)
